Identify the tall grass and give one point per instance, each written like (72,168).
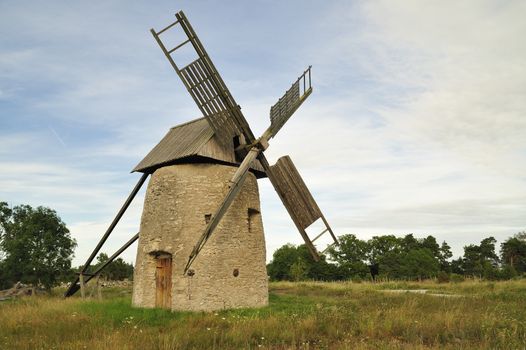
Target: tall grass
(307,315)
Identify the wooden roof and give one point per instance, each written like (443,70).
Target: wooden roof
(191,142)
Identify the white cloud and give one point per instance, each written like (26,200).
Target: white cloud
(416,123)
(433,140)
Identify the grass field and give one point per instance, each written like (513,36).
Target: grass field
(308,315)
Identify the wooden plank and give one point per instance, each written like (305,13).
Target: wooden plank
(235,186)
(168,283)
(82,286)
(297,199)
(163,282)
(231,115)
(73,286)
(224,94)
(99,294)
(296,196)
(289,103)
(321,234)
(158,284)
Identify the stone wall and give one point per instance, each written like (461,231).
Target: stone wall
(177,201)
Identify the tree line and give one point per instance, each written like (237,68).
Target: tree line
(407,258)
(36,247)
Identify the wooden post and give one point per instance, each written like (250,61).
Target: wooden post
(99,294)
(82,286)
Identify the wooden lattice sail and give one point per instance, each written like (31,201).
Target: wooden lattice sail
(222,138)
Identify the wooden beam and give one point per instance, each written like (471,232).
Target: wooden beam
(236,183)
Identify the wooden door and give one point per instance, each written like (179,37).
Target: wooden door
(163,282)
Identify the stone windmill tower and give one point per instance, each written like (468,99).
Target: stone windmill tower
(203,182)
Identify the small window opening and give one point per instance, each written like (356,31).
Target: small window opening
(237,141)
(236,272)
(208,217)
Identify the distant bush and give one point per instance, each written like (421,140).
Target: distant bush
(389,257)
(508,272)
(456,278)
(443,277)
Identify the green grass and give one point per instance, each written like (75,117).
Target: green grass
(309,315)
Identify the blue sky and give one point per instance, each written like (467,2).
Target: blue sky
(416,124)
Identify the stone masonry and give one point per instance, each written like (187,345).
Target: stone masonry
(230,271)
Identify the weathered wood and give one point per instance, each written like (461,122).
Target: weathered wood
(281,112)
(180,45)
(72,287)
(163,282)
(209,92)
(330,230)
(216,80)
(202,80)
(18,290)
(99,293)
(103,266)
(82,286)
(166,28)
(193,139)
(297,199)
(235,186)
(318,236)
(295,194)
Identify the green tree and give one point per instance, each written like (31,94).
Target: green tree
(298,270)
(279,267)
(5,214)
(390,264)
(513,252)
(291,262)
(445,255)
(521,236)
(487,251)
(380,246)
(36,245)
(430,243)
(419,264)
(351,256)
(117,270)
(481,260)
(320,270)
(471,262)
(457,266)
(409,242)
(406,257)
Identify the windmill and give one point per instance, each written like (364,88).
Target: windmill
(201,213)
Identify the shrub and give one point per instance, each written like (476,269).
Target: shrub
(442,277)
(508,272)
(456,278)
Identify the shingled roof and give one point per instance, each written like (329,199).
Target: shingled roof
(191,142)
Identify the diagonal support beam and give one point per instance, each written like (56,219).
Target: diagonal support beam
(236,183)
(117,218)
(103,266)
(256,152)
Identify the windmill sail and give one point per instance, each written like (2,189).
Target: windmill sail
(298,200)
(206,87)
(294,192)
(290,102)
(222,112)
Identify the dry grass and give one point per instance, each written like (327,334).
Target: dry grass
(311,315)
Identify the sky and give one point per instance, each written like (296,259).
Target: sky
(417,121)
